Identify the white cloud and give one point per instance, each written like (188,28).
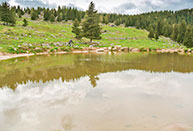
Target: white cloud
(112,6)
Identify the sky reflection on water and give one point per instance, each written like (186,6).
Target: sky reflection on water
(122,100)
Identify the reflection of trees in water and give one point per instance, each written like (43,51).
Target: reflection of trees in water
(91,66)
(93,80)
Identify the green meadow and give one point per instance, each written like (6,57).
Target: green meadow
(43,36)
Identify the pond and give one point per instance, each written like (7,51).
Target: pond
(97,92)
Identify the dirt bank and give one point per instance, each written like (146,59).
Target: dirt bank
(4,56)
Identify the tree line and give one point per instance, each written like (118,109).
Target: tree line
(177,25)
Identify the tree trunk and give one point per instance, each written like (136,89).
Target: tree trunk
(90,40)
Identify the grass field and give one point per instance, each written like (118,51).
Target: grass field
(48,34)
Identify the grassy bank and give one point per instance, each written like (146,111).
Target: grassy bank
(41,36)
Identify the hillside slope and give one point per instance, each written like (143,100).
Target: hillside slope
(46,36)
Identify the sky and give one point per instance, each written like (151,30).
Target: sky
(110,6)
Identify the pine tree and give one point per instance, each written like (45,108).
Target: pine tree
(181,32)
(46,15)
(105,19)
(167,30)
(91,27)
(25,22)
(76,30)
(159,28)
(151,33)
(117,22)
(137,24)
(156,36)
(127,23)
(188,39)
(52,18)
(34,15)
(175,32)
(6,14)
(60,17)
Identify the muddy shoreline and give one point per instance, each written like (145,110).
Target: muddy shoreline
(5,56)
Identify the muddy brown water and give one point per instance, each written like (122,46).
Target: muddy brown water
(97,92)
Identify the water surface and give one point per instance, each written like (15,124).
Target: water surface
(97,92)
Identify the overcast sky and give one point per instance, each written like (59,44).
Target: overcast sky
(111,6)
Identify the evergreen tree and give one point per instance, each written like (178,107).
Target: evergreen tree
(117,22)
(156,36)
(91,27)
(6,14)
(25,22)
(52,18)
(34,15)
(76,30)
(175,32)
(60,17)
(46,15)
(127,23)
(181,32)
(167,30)
(105,19)
(188,39)
(159,28)
(137,24)
(151,34)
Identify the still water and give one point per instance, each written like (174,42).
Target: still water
(97,92)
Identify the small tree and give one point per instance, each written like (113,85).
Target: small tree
(175,32)
(91,27)
(151,34)
(46,15)
(25,22)
(60,17)
(156,36)
(159,28)
(181,32)
(188,39)
(117,22)
(6,14)
(34,15)
(52,18)
(76,30)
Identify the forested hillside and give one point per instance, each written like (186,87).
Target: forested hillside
(178,25)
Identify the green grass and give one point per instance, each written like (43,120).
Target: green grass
(39,32)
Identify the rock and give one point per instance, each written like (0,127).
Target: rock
(125,49)
(16,38)
(100,50)
(181,50)
(146,49)
(118,47)
(189,50)
(114,49)
(109,48)
(135,50)
(105,48)
(25,44)
(163,51)
(130,49)
(37,48)
(53,36)
(172,51)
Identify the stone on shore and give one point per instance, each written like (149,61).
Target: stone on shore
(100,50)
(134,50)
(125,49)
